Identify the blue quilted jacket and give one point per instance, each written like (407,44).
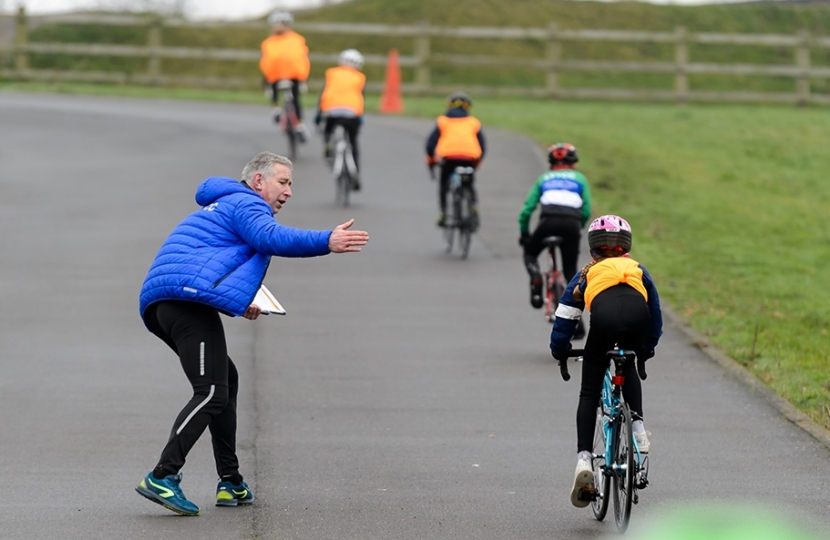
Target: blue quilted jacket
(219,255)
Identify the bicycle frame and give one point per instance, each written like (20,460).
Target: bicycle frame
(613,416)
(343,166)
(554,279)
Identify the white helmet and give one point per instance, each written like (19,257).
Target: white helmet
(280,17)
(352,58)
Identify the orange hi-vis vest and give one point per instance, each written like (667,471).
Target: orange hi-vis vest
(458,138)
(284,56)
(343,90)
(613,271)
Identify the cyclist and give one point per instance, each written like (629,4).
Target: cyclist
(456,141)
(341,102)
(285,57)
(565,197)
(625,312)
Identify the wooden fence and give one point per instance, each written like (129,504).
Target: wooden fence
(552,64)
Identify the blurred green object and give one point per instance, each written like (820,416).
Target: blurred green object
(724,522)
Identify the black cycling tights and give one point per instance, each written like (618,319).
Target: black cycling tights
(569,229)
(194,332)
(447,168)
(619,315)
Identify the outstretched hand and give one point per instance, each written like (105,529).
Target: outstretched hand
(343,240)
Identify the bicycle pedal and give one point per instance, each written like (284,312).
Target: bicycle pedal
(589,493)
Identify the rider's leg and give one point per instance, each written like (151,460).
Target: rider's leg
(327,131)
(298,105)
(302,130)
(352,126)
(531,260)
(276,111)
(447,167)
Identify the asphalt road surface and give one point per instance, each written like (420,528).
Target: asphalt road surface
(407,394)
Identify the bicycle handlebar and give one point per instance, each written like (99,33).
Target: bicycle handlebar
(573,353)
(563,364)
(641,368)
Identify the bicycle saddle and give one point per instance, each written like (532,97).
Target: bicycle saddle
(551,241)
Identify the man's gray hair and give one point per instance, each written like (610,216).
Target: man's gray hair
(264,163)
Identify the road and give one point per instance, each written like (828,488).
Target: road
(407,394)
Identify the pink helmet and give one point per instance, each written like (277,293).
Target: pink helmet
(609,231)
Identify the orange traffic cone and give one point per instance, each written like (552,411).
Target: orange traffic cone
(391,101)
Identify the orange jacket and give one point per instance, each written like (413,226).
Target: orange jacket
(284,56)
(458,138)
(343,90)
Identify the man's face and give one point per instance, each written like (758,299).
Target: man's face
(276,188)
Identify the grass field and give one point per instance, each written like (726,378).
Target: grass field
(728,205)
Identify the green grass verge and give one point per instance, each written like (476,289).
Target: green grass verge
(728,205)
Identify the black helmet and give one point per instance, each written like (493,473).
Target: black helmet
(562,154)
(459,99)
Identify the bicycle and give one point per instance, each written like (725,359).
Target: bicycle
(616,457)
(288,117)
(343,166)
(554,279)
(460,218)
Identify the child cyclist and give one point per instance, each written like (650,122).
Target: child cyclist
(625,312)
(565,199)
(341,103)
(456,141)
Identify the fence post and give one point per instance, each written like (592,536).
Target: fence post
(154,43)
(422,52)
(553,54)
(802,60)
(21,38)
(681,58)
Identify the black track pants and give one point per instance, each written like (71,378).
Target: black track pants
(569,229)
(194,332)
(619,315)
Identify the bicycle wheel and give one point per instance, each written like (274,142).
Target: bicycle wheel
(624,474)
(550,308)
(558,287)
(343,187)
(465,232)
(290,128)
(602,483)
(291,135)
(449,227)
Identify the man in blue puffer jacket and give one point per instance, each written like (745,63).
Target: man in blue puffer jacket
(214,262)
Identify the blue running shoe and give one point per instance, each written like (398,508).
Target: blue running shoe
(167,493)
(228,494)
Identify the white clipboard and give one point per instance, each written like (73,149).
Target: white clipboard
(267,303)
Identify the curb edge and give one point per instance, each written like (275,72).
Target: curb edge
(734,368)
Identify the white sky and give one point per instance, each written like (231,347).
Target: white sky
(195,9)
(207,9)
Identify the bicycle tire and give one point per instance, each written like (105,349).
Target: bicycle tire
(342,188)
(623,479)
(558,288)
(291,135)
(602,483)
(465,232)
(449,228)
(549,310)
